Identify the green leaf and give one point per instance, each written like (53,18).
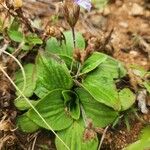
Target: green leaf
(102,89)
(30,80)
(52,109)
(14,25)
(52,73)
(143,143)
(26,124)
(76,137)
(33,39)
(68,61)
(26,47)
(127,98)
(147,85)
(71,102)
(127,123)
(100,3)
(101,85)
(100,114)
(92,62)
(54,46)
(16,36)
(10,49)
(22,104)
(145,134)
(112,68)
(138,70)
(67,95)
(135,146)
(75,109)
(65,50)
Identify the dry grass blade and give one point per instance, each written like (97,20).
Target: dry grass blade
(102,138)
(22,69)
(4,139)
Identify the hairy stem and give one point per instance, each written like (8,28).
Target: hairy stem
(74,45)
(74,37)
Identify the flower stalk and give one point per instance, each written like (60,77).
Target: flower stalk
(71,9)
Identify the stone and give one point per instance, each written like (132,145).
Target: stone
(123,24)
(136,10)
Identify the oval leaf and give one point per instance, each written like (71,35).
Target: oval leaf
(30,80)
(112,68)
(100,82)
(75,138)
(99,114)
(127,98)
(26,124)
(22,103)
(103,90)
(52,73)
(92,62)
(52,109)
(16,36)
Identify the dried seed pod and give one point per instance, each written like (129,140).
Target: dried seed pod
(71,12)
(54,32)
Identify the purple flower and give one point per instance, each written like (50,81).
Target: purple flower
(86,4)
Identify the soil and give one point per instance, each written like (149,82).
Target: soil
(128,21)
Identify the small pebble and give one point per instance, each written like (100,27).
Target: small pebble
(124,24)
(134,53)
(106,11)
(119,3)
(136,10)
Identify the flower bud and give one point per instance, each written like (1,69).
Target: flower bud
(71,12)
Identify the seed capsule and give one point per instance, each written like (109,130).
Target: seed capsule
(71,12)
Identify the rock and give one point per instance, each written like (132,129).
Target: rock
(136,10)
(98,21)
(106,11)
(119,3)
(124,24)
(141,98)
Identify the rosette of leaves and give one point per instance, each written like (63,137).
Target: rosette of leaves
(74,107)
